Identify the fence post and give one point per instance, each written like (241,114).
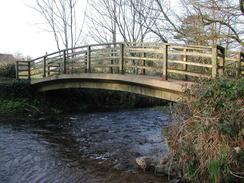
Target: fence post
(64,62)
(214,61)
(122,59)
(44,66)
(88,59)
(165,62)
(17,69)
(218,64)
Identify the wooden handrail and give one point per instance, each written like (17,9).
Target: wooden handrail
(159,59)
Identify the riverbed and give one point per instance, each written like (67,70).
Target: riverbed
(87,148)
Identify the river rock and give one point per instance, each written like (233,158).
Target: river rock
(145,162)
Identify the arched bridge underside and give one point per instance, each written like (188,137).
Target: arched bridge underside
(143,85)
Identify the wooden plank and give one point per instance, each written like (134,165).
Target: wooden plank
(108,50)
(190,63)
(107,65)
(144,67)
(188,73)
(23,65)
(143,58)
(195,54)
(104,58)
(144,50)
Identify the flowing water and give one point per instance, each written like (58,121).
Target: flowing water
(87,148)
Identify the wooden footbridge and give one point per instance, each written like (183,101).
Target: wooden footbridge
(152,69)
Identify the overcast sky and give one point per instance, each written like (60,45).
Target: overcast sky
(22,31)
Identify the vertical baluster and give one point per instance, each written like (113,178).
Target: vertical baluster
(44,66)
(88,59)
(64,62)
(122,60)
(111,55)
(165,62)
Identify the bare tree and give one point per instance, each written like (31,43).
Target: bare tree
(62,19)
(201,22)
(102,27)
(221,20)
(126,20)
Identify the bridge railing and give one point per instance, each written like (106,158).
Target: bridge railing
(234,66)
(176,61)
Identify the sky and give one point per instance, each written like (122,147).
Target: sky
(22,30)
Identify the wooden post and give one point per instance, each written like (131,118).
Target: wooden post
(214,61)
(88,59)
(64,62)
(111,55)
(17,69)
(165,63)
(185,66)
(44,66)
(221,61)
(144,63)
(29,70)
(122,60)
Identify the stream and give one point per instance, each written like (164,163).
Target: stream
(87,148)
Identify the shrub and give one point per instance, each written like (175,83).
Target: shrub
(8,71)
(206,138)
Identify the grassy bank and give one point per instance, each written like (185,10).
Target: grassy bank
(17,99)
(206,138)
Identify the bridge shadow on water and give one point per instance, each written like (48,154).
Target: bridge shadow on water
(97,100)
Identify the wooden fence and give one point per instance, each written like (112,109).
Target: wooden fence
(175,61)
